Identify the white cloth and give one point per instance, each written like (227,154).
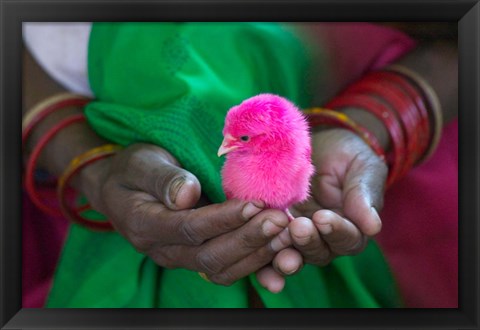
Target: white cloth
(61,50)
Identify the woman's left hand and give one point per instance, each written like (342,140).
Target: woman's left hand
(347,191)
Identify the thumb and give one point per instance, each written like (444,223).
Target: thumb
(358,208)
(363,197)
(176,188)
(156,172)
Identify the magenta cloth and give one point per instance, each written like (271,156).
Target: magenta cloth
(42,237)
(420,228)
(358,48)
(420,216)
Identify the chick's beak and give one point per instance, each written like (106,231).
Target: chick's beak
(226,146)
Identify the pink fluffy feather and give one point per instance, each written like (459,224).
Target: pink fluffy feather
(268,147)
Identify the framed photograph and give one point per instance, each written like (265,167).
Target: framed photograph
(431,295)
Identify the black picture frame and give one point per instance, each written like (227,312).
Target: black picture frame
(13,12)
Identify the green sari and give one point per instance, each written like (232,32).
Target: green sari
(171,84)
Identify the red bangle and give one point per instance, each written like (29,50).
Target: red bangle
(425,130)
(405,111)
(431,102)
(321,116)
(74,214)
(32,161)
(397,158)
(41,111)
(77,164)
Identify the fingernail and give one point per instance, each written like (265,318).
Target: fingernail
(269,228)
(175,187)
(378,222)
(375,214)
(302,240)
(290,272)
(289,265)
(325,229)
(282,241)
(302,235)
(250,210)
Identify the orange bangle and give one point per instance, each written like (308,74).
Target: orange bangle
(321,116)
(73,168)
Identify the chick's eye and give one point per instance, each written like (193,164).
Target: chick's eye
(244,138)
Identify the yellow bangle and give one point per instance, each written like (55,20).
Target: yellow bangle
(432,100)
(46,107)
(321,116)
(73,168)
(40,107)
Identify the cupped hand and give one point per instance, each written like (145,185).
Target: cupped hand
(347,191)
(150,200)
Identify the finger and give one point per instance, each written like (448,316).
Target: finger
(363,193)
(342,236)
(270,279)
(288,261)
(183,256)
(250,264)
(306,208)
(224,263)
(253,240)
(255,260)
(359,208)
(216,219)
(150,222)
(152,169)
(307,241)
(327,190)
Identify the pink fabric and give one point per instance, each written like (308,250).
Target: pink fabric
(358,48)
(420,228)
(42,238)
(420,216)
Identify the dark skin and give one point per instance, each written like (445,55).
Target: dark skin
(158,206)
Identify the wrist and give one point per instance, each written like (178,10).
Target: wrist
(324,118)
(66,144)
(91,180)
(371,123)
(72,172)
(402,104)
(56,137)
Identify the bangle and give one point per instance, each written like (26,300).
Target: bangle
(395,160)
(73,168)
(322,116)
(48,106)
(397,81)
(32,161)
(405,111)
(432,100)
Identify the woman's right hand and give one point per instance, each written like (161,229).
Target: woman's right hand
(149,200)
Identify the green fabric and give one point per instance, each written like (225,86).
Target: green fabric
(171,84)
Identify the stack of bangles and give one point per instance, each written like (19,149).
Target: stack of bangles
(66,207)
(406,105)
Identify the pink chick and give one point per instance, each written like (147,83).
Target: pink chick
(268,152)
